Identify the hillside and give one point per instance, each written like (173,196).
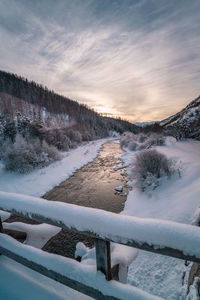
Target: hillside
(36,124)
(47,110)
(186,123)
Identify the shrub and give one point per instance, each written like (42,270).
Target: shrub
(141,138)
(149,167)
(132,146)
(126,138)
(86,136)
(74,135)
(151,140)
(142,141)
(143,146)
(23,156)
(57,138)
(63,143)
(156,140)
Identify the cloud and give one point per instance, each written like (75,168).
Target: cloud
(135,59)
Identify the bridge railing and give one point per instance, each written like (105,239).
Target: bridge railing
(158,236)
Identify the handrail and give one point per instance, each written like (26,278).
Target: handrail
(158,236)
(70,272)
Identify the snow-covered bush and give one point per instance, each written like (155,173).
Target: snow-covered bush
(63,143)
(86,136)
(142,137)
(142,146)
(151,141)
(155,140)
(126,138)
(113,134)
(141,141)
(149,167)
(23,156)
(58,139)
(74,135)
(132,146)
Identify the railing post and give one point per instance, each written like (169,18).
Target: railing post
(1,226)
(103,259)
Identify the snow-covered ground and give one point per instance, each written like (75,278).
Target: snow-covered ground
(176,199)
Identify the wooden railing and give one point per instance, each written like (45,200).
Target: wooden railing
(104,227)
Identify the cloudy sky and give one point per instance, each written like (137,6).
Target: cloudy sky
(138,59)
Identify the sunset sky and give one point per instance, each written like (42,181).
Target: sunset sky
(138,59)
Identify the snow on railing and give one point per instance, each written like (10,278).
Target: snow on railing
(69,272)
(158,236)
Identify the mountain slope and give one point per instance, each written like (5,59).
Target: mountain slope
(47,110)
(186,123)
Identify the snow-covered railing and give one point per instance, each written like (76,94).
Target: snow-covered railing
(158,236)
(69,272)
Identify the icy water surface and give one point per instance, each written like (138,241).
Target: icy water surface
(91,186)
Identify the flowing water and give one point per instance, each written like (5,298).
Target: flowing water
(92,186)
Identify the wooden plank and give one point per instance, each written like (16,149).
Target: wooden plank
(115,272)
(103,259)
(167,251)
(78,286)
(18,235)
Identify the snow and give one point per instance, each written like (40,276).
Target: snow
(145,124)
(37,235)
(70,268)
(176,200)
(21,283)
(4,215)
(120,254)
(119,188)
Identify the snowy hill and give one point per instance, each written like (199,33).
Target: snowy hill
(52,111)
(186,123)
(176,200)
(145,124)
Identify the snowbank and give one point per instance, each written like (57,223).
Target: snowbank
(177,200)
(40,181)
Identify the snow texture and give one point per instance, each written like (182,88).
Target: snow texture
(72,269)
(176,200)
(37,235)
(120,254)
